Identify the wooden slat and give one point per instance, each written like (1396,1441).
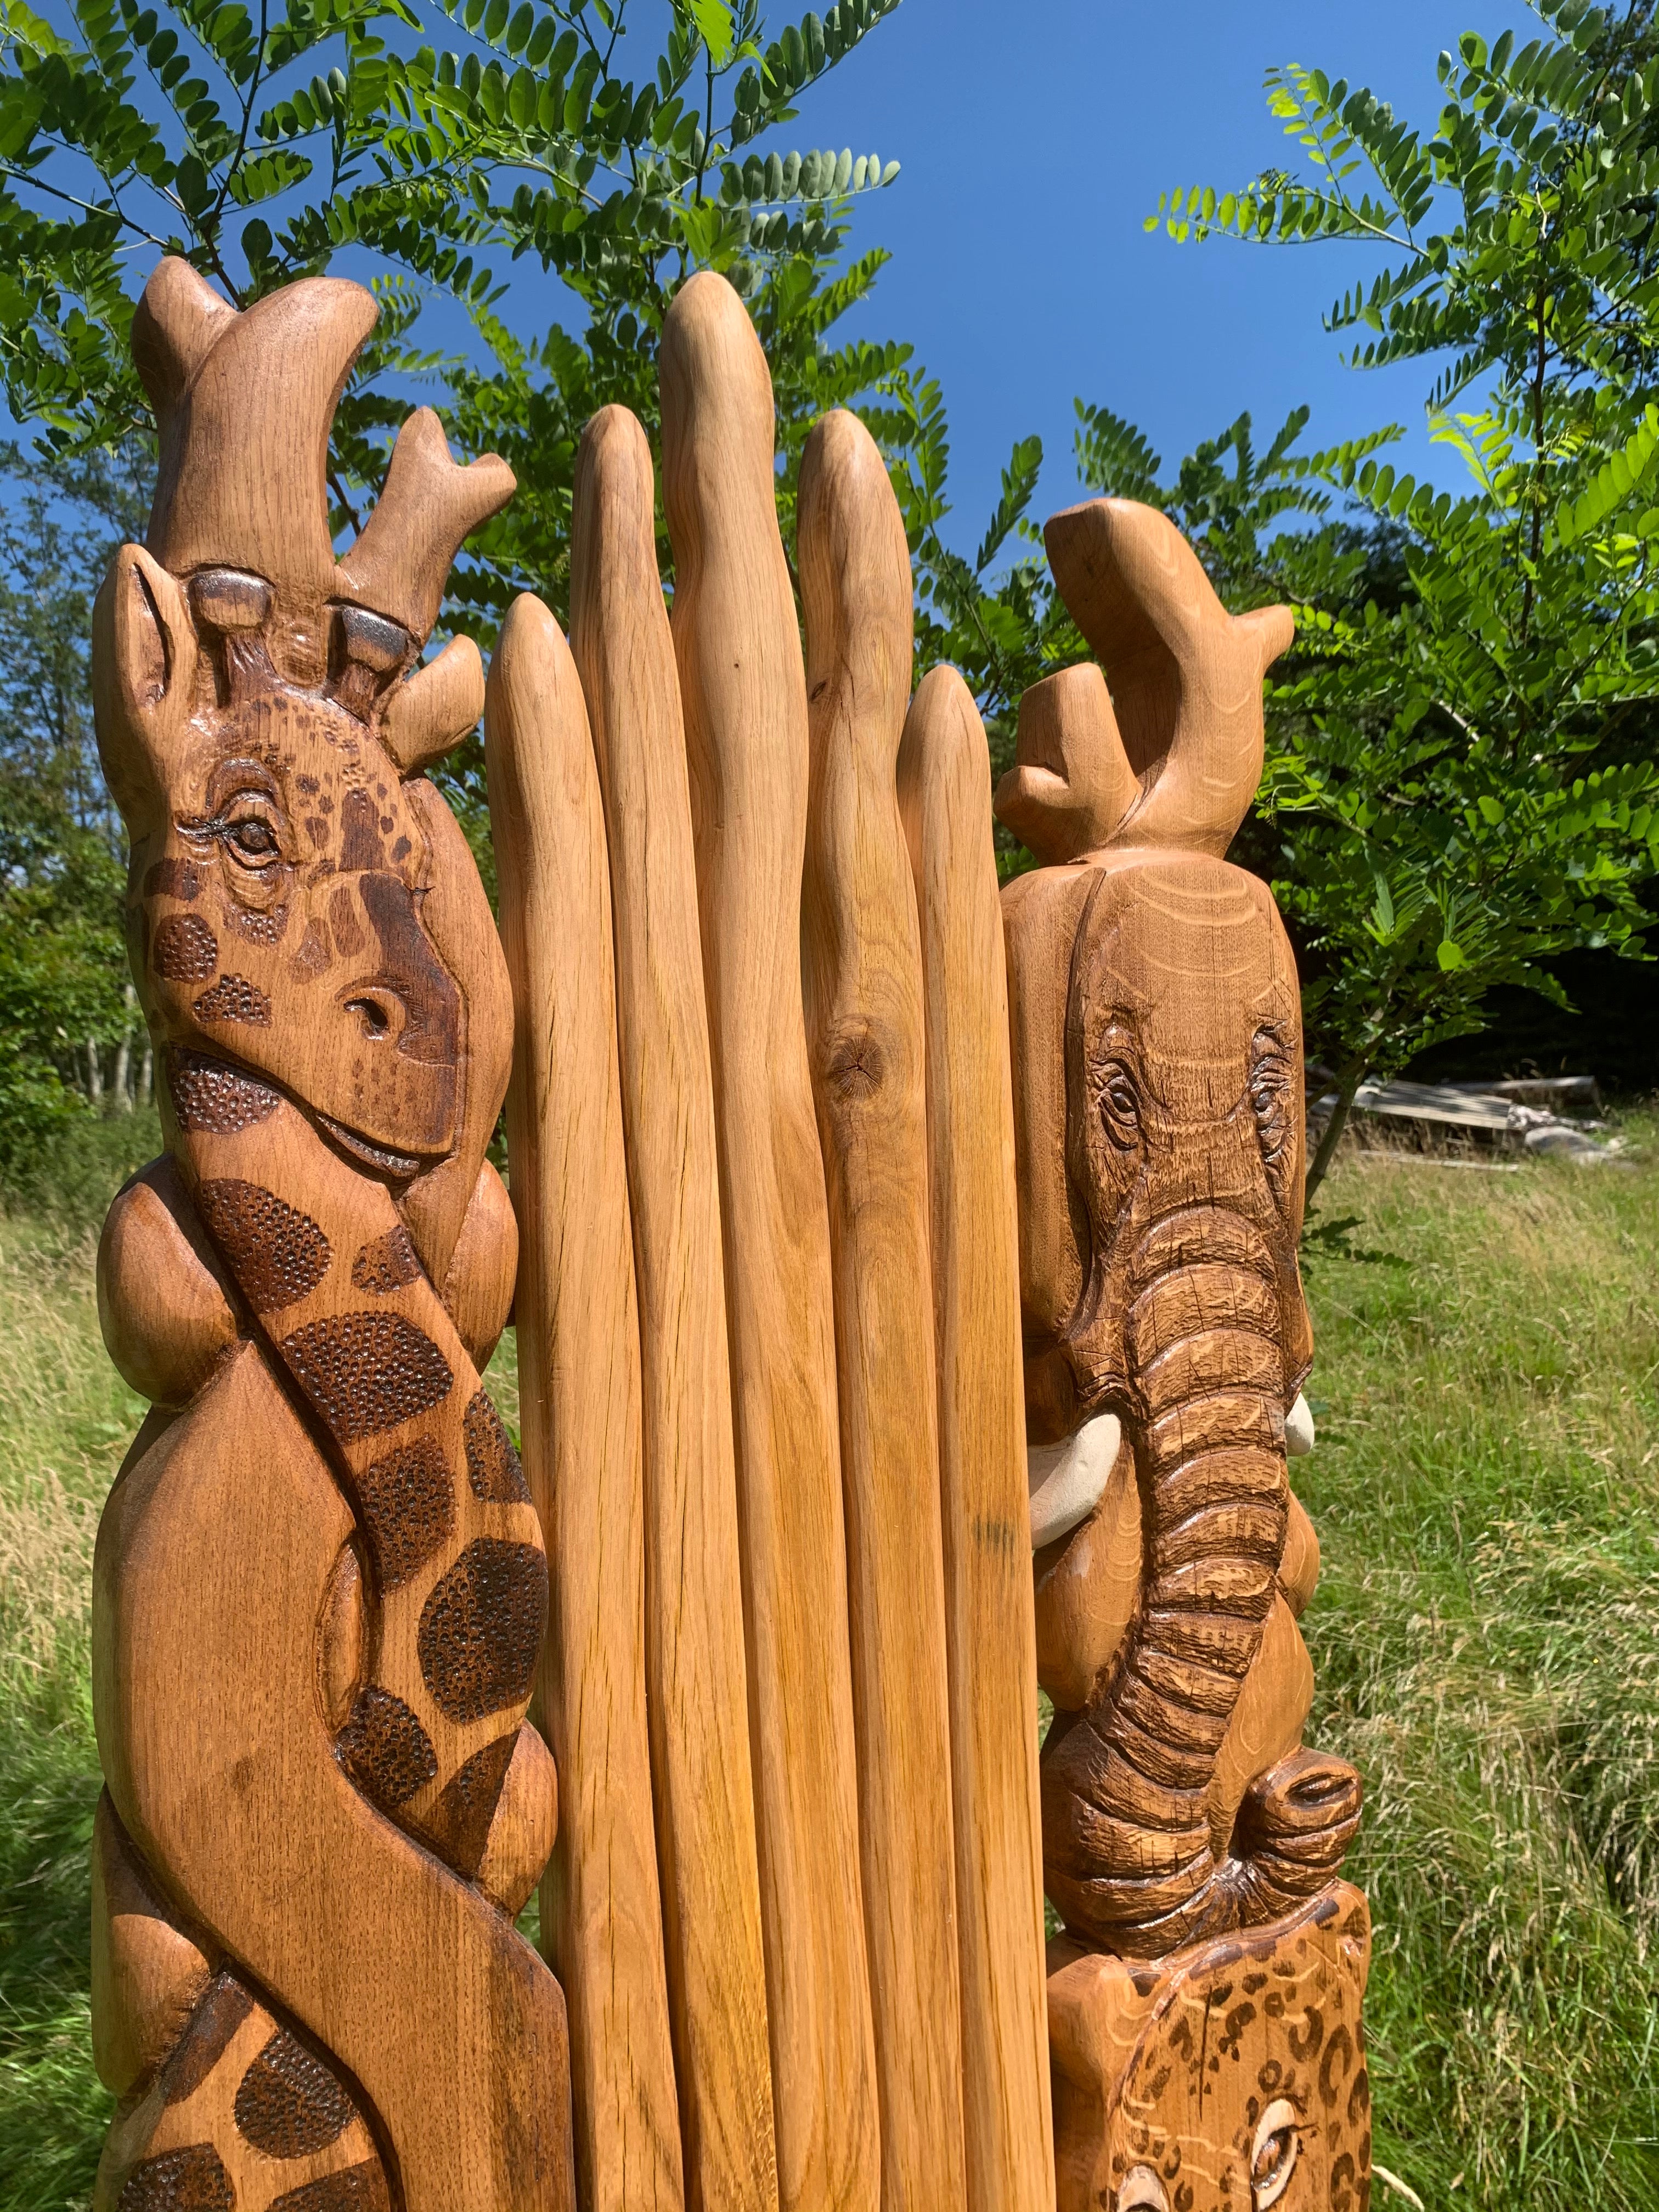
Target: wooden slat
(744,695)
(943,784)
(694,1645)
(861,965)
(580,1398)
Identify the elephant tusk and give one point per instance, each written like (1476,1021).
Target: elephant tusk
(1299,1429)
(1065,1480)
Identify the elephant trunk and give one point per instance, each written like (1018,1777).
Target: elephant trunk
(1128,1849)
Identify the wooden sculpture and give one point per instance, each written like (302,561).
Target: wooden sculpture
(881,1240)
(1205,2003)
(762,1155)
(320,1585)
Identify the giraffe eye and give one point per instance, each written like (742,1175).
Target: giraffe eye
(250,833)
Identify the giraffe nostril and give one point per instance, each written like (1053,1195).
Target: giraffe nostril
(375,1014)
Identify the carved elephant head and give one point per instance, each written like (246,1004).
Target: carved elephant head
(1159,1109)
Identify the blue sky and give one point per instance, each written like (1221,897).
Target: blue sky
(1036,138)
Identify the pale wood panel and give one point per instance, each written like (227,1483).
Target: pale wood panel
(862,968)
(697,1696)
(744,695)
(580,1400)
(943,789)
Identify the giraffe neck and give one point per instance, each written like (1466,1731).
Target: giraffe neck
(453,1572)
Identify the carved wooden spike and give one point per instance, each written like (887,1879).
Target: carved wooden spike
(944,791)
(580,1396)
(861,964)
(319,1588)
(694,1667)
(744,697)
(1178,761)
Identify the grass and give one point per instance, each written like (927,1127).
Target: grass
(1487,1635)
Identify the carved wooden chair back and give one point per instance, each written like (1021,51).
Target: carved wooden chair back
(821,1204)
(762,1152)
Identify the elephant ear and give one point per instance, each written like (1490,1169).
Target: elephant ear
(1172,756)
(143,662)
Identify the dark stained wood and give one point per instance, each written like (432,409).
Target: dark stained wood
(320,1589)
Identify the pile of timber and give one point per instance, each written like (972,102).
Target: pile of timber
(1519,1114)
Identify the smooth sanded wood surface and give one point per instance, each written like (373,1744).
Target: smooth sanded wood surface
(943,789)
(204,1693)
(696,1690)
(743,691)
(579,1401)
(861,966)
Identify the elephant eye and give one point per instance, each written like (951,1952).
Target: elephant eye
(1278,2143)
(1119,1102)
(1270,1094)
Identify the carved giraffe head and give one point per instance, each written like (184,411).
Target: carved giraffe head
(262,718)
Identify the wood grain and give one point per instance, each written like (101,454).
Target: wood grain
(319,1584)
(861,969)
(164,1302)
(697,1691)
(578,1371)
(742,692)
(944,791)
(226,1781)
(1275,2107)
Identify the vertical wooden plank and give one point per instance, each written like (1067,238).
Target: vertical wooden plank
(861,965)
(579,1395)
(696,1691)
(744,693)
(945,792)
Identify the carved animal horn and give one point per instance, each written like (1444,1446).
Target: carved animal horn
(401,563)
(1173,757)
(244,402)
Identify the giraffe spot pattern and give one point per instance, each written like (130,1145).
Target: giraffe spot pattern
(173,878)
(185,950)
(193,2179)
(492,1465)
(459,1824)
(387,1262)
(215,1100)
(279,1254)
(354,2189)
(481,1629)
(366,1372)
(257,928)
(384,1749)
(289,2104)
(222,2007)
(233,999)
(407,1503)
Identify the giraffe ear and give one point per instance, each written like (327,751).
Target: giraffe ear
(143,659)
